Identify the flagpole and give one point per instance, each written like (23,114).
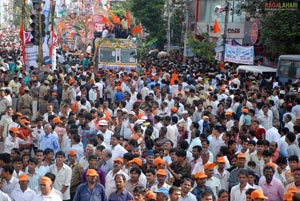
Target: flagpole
(225,28)
(23,29)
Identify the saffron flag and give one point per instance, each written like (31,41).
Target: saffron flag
(105,20)
(136,30)
(114,18)
(23,41)
(127,16)
(216,27)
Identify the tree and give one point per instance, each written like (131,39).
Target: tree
(204,48)
(150,14)
(280,28)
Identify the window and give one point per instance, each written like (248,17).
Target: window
(128,55)
(297,69)
(284,68)
(107,55)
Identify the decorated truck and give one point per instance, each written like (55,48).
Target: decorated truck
(113,53)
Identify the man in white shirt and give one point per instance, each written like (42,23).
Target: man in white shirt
(9,182)
(238,192)
(117,150)
(23,193)
(110,185)
(212,181)
(103,124)
(272,134)
(46,191)
(63,175)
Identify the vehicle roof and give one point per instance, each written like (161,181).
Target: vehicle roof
(256,69)
(292,57)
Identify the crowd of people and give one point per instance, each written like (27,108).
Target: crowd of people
(168,131)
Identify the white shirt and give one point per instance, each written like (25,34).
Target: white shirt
(9,144)
(10,186)
(237,195)
(51,197)
(63,178)
(19,195)
(223,178)
(4,196)
(189,197)
(107,136)
(272,135)
(214,184)
(110,185)
(84,162)
(118,151)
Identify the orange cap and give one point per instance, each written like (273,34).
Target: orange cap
(221,160)
(161,172)
(150,195)
(200,175)
(23,177)
(257,194)
(25,121)
(223,88)
(54,93)
(119,160)
(228,113)
(174,109)
(245,110)
(119,88)
(46,180)
(19,114)
(72,152)
(241,155)
(91,172)
(209,166)
(57,120)
(137,161)
(158,161)
(14,129)
(298,118)
(273,165)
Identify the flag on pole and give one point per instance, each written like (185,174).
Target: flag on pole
(216,27)
(114,18)
(136,30)
(127,16)
(23,41)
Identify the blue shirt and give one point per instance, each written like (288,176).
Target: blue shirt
(83,193)
(119,96)
(49,141)
(197,191)
(124,196)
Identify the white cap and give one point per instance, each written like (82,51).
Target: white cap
(103,123)
(184,112)
(131,113)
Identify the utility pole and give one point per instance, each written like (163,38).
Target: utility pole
(185,40)
(169,26)
(227,8)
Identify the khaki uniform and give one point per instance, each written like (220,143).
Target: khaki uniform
(25,103)
(4,103)
(42,102)
(66,96)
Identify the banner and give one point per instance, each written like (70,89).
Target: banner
(239,54)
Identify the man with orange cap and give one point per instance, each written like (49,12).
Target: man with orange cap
(76,172)
(24,192)
(201,178)
(46,191)
(212,181)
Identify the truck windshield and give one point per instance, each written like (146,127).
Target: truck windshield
(107,55)
(128,55)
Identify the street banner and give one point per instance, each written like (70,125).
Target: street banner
(239,54)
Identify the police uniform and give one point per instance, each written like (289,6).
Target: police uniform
(25,103)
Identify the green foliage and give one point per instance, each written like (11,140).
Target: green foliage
(205,48)
(280,28)
(281,32)
(144,48)
(177,19)
(150,14)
